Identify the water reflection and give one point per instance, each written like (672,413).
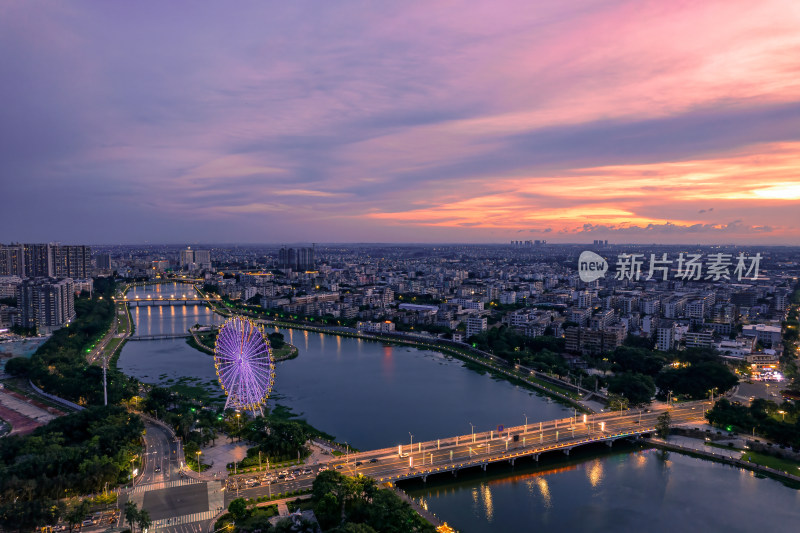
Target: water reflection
(595,472)
(612,491)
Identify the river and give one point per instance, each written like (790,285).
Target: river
(373,395)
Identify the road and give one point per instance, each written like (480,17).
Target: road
(161,456)
(420,459)
(176,503)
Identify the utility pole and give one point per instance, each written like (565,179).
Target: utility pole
(105,388)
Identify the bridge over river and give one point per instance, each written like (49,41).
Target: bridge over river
(449,455)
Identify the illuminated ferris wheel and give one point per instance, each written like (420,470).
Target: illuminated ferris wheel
(243,359)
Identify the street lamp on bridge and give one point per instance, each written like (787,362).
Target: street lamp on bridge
(473,432)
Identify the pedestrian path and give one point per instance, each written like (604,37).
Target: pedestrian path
(185,519)
(216,496)
(147,487)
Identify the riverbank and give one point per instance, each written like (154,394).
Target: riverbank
(722,455)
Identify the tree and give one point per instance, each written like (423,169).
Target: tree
(130,512)
(328,511)
(276,340)
(637,388)
(77,513)
(617,402)
(663,424)
(143,520)
(238,509)
(18,366)
(353,527)
(696,379)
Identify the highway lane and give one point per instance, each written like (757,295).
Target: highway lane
(161,462)
(483,446)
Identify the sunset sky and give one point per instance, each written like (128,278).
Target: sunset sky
(269,122)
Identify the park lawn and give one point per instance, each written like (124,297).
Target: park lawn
(786,465)
(112,345)
(282,352)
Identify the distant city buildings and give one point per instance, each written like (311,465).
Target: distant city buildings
(195,259)
(103,261)
(296,258)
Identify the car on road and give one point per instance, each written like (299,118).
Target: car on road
(373,460)
(158,469)
(283,473)
(290,477)
(306,471)
(338,467)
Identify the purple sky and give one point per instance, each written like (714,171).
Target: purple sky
(400,121)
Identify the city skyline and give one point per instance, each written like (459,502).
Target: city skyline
(414,123)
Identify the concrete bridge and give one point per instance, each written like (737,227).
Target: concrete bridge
(160,337)
(193,281)
(168,301)
(479,450)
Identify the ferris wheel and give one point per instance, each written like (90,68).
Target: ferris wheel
(243,359)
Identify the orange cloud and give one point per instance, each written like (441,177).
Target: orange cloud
(669,196)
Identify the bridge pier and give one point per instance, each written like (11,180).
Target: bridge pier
(511,461)
(536,457)
(455,472)
(483,467)
(425,479)
(609,443)
(566,450)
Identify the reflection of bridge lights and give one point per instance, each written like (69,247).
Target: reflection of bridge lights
(595,473)
(544,490)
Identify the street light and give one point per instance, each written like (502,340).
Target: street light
(783,415)
(526,423)
(198,461)
(473,432)
(411,443)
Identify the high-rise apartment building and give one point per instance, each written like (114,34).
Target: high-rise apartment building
(296,258)
(71,261)
(45,261)
(12,260)
(103,261)
(202,259)
(38,260)
(45,304)
(187,258)
(195,259)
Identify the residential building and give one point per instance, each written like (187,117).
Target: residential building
(699,339)
(665,336)
(8,286)
(766,335)
(475,325)
(45,304)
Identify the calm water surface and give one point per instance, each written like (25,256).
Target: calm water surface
(618,491)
